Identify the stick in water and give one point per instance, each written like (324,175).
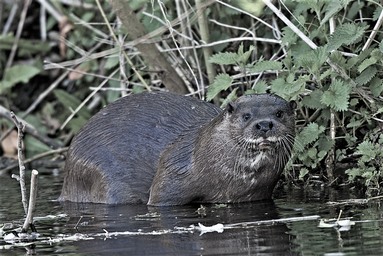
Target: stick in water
(32,203)
(20,131)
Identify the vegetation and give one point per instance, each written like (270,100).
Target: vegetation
(65,61)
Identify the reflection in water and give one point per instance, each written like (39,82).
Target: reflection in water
(271,239)
(165,231)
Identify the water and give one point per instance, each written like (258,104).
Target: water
(95,229)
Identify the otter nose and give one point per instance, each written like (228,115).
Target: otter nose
(264,126)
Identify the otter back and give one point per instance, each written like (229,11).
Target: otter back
(114,157)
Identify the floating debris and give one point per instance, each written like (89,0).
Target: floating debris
(205,229)
(341,224)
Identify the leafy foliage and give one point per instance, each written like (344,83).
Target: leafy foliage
(72,103)
(346,34)
(221,83)
(225,58)
(337,96)
(369,165)
(231,58)
(328,83)
(265,65)
(309,134)
(17,74)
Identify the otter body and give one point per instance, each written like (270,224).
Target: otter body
(166,149)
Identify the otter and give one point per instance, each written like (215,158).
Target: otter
(164,149)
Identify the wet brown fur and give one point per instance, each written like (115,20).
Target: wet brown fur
(165,149)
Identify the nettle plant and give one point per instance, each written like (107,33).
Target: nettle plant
(338,87)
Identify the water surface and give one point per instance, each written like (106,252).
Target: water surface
(96,229)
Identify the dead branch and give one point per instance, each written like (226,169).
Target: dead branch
(20,155)
(32,203)
(150,53)
(29,129)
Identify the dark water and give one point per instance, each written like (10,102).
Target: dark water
(90,229)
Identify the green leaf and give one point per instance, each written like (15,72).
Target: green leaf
(346,34)
(332,8)
(376,86)
(17,74)
(377,12)
(112,62)
(264,65)
(288,36)
(308,135)
(312,153)
(230,98)
(337,96)
(353,123)
(231,58)
(325,74)
(221,83)
(288,89)
(251,6)
(366,63)
(366,75)
(381,46)
(34,146)
(368,151)
(26,47)
(354,9)
(260,87)
(244,56)
(225,58)
(313,100)
(313,59)
(353,173)
(324,145)
(337,58)
(71,102)
(303,172)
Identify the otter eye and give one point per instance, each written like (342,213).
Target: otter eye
(246,117)
(279,114)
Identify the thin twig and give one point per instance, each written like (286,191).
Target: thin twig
(45,93)
(28,129)
(32,202)
(34,158)
(205,37)
(230,40)
(87,99)
(78,21)
(290,24)
(197,66)
(232,27)
(52,11)
(121,46)
(247,13)
(18,34)
(171,31)
(374,31)
(78,223)
(43,23)
(330,159)
(147,38)
(10,19)
(123,77)
(20,155)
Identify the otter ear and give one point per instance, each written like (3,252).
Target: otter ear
(230,108)
(293,104)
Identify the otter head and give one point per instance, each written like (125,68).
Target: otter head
(263,127)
